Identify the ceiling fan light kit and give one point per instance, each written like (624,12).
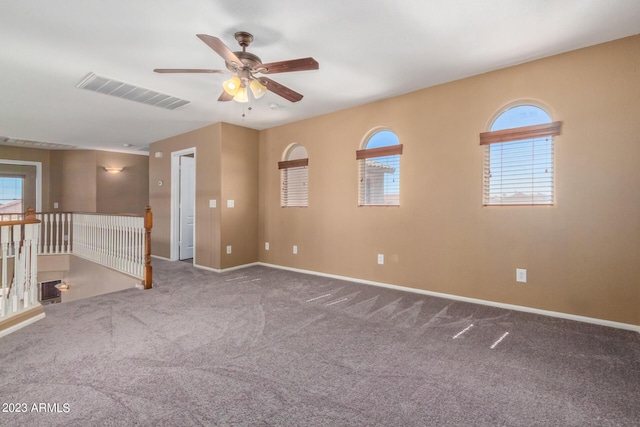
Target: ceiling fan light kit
(257,89)
(244,66)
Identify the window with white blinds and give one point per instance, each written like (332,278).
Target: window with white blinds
(11,194)
(519,161)
(379,170)
(294,178)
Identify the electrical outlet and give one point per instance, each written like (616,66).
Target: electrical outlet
(266,246)
(212,203)
(231,203)
(228,250)
(295,249)
(55,205)
(380,259)
(521,275)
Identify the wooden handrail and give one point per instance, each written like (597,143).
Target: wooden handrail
(29,218)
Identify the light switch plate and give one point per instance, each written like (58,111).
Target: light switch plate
(212,203)
(230,203)
(521,275)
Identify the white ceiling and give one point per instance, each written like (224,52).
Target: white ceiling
(367,50)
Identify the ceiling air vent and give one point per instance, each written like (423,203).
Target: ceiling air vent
(34,144)
(128,91)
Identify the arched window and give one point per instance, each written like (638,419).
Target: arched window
(294,177)
(519,158)
(379,166)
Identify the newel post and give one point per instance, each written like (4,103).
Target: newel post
(30,215)
(148,224)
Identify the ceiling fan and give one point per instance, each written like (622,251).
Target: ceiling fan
(244,66)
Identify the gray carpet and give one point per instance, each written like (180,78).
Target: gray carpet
(264,347)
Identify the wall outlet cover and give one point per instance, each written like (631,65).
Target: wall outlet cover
(295,249)
(380,259)
(228,249)
(521,275)
(212,203)
(230,203)
(266,246)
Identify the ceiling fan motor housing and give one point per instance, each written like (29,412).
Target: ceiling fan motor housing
(249,61)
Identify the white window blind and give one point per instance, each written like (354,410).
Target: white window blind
(11,194)
(379,183)
(294,178)
(519,165)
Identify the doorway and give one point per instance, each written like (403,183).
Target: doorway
(183,185)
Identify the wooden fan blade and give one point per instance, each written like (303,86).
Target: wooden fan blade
(281,90)
(302,64)
(187,70)
(224,96)
(220,48)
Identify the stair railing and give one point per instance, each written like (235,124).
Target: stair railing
(19,238)
(120,242)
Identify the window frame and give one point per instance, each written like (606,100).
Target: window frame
(20,206)
(524,136)
(364,154)
(286,166)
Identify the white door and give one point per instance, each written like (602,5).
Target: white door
(187,205)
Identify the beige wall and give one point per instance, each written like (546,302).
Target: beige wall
(239,183)
(226,168)
(124,192)
(582,255)
(207,143)
(87,279)
(77,181)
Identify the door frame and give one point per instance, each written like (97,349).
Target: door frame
(175,204)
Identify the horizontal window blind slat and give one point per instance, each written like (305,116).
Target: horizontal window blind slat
(379,181)
(519,172)
(294,185)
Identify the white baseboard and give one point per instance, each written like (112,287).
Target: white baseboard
(21,325)
(601,322)
(161,257)
(224,270)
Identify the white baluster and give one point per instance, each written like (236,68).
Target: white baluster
(4,243)
(18,267)
(26,248)
(56,241)
(63,243)
(33,283)
(130,244)
(121,245)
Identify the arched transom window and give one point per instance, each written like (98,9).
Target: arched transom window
(294,177)
(379,170)
(519,158)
